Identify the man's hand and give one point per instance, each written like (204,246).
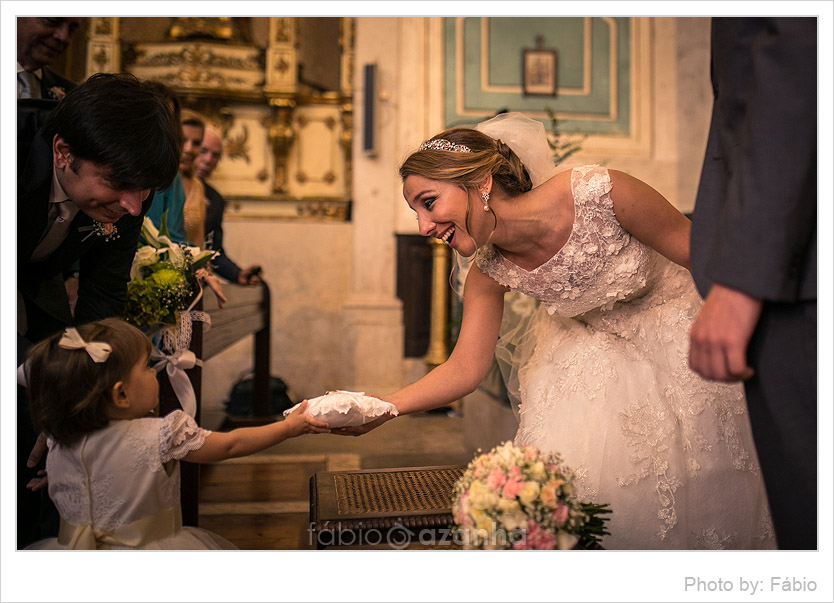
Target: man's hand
(38,450)
(720,335)
(249,276)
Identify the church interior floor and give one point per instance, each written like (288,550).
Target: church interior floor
(262,502)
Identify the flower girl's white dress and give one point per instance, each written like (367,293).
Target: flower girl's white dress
(600,368)
(119,487)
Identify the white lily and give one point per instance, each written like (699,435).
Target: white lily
(150,233)
(177,257)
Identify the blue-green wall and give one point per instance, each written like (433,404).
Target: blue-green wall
(469,99)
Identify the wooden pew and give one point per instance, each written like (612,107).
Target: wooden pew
(246,311)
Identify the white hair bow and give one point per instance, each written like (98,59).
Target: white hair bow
(72,340)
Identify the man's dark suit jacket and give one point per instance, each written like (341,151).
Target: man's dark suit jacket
(32,112)
(104,266)
(754,224)
(50,80)
(754,230)
(222,265)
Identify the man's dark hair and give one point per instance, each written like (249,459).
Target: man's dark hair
(121,123)
(169,96)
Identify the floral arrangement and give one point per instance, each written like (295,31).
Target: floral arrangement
(57,93)
(162,278)
(520,498)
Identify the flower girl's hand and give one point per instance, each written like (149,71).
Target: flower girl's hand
(299,423)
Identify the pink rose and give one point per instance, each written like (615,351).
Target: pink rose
(512,488)
(539,539)
(515,473)
(560,515)
(57,92)
(496,479)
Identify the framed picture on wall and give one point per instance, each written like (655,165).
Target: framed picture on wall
(539,72)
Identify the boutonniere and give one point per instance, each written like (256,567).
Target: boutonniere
(106,230)
(57,93)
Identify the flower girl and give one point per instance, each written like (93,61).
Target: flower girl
(113,466)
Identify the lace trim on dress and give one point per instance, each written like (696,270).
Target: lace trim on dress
(179,435)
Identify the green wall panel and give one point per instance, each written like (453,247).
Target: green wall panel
(483,70)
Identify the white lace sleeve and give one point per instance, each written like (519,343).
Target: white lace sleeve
(179,435)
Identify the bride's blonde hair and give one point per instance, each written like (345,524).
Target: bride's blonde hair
(468,169)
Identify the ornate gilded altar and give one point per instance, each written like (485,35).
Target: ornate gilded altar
(286,127)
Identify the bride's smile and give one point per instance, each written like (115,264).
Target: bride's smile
(441,210)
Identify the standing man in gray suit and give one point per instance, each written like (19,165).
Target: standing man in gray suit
(754,251)
(41,40)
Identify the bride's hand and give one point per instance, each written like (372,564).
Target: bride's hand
(358,430)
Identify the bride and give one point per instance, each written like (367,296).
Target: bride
(599,369)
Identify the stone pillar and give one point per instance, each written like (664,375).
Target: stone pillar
(372,338)
(408,108)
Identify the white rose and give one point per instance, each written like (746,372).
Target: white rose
(505,452)
(481,497)
(512,521)
(529,493)
(145,256)
(508,506)
(537,470)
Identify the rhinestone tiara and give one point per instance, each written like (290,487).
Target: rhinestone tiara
(441,144)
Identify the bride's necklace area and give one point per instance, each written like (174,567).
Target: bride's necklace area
(537,242)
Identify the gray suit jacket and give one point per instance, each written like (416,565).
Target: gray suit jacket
(754,224)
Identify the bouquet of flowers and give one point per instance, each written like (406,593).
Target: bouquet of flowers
(163,279)
(520,498)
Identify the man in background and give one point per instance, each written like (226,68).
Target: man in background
(40,40)
(211,151)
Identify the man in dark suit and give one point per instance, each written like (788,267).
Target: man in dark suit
(89,180)
(40,40)
(211,150)
(754,251)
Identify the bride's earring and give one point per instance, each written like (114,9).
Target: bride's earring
(485,197)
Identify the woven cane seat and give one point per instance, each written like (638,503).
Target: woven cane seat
(411,497)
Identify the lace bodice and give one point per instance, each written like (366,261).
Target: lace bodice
(599,265)
(121,473)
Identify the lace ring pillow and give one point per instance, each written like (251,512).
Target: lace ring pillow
(346,409)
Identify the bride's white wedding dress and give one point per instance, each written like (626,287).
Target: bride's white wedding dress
(602,377)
